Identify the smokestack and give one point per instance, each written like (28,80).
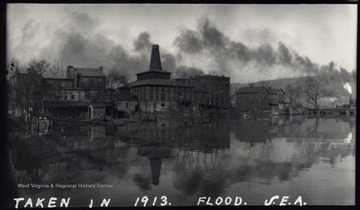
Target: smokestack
(155,63)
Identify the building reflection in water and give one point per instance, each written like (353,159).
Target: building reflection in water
(203,159)
(156,140)
(155,154)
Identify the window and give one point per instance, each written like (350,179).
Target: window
(127,104)
(87,95)
(163,97)
(162,104)
(154,105)
(65,95)
(151,95)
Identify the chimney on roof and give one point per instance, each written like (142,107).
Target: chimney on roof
(155,63)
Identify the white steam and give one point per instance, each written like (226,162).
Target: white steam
(347,87)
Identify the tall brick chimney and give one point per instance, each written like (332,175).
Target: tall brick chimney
(155,63)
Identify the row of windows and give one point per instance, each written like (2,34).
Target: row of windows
(165,94)
(158,89)
(70,95)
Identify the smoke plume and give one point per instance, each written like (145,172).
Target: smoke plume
(79,41)
(234,58)
(347,87)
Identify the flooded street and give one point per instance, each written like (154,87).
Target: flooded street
(309,157)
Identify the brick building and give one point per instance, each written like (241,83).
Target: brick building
(82,94)
(209,90)
(155,90)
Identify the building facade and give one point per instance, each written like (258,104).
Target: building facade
(260,98)
(82,94)
(209,90)
(155,90)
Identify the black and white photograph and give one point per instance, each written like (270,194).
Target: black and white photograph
(163,105)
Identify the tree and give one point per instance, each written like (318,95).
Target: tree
(312,89)
(114,80)
(293,93)
(56,69)
(29,96)
(185,72)
(38,66)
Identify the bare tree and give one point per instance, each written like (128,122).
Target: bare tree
(114,80)
(38,66)
(56,69)
(294,94)
(311,88)
(29,96)
(185,72)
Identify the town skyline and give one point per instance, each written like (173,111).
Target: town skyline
(246,42)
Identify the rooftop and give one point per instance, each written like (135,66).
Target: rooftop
(158,71)
(156,82)
(89,72)
(274,91)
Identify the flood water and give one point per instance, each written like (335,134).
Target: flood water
(309,157)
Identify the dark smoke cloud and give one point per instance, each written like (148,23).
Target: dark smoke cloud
(208,40)
(142,42)
(189,41)
(83,22)
(265,55)
(212,37)
(81,44)
(168,61)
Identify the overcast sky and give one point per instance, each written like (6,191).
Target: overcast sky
(189,35)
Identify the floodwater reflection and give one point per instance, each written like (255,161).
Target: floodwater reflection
(311,157)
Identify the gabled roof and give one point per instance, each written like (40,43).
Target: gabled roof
(256,89)
(274,91)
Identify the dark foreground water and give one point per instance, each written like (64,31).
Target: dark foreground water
(312,161)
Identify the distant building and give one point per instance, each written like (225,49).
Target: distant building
(261,98)
(82,94)
(249,97)
(209,90)
(126,102)
(155,90)
(277,98)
